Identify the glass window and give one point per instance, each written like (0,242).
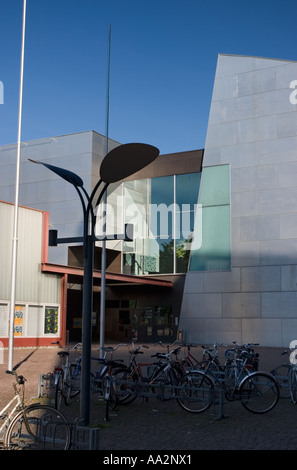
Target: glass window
(163,212)
(135,206)
(166,253)
(161,207)
(215,186)
(211,242)
(162,190)
(187,187)
(35,321)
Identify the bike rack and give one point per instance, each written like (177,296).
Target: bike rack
(84,438)
(146,390)
(46,384)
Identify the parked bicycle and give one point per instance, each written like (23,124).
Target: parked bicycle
(66,381)
(32,427)
(188,361)
(286,375)
(107,366)
(282,374)
(257,391)
(151,378)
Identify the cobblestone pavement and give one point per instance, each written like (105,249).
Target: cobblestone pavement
(157,425)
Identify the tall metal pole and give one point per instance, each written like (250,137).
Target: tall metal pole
(103,255)
(16,205)
(87,326)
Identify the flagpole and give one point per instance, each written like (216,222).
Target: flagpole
(15,228)
(103,254)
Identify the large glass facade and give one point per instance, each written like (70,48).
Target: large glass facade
(162,211)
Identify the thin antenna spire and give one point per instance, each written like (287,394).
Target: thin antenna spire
(103,254)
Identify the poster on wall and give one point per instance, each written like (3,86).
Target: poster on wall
(51,320)
(18,321)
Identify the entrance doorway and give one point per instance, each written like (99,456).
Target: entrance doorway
(125,320)
(152,324)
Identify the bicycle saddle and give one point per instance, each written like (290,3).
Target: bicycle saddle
(63,353)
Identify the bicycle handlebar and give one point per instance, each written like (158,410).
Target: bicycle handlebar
(167,355)
(76,346)
(20,379)
(111,349)
(136,351)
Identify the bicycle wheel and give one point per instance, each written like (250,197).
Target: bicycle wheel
(195,392)
(282,375)
(71,384)
(293,385)
(233,375)
(74,380)
(38,427)
(124,382)
(66,387)
(164,381)
(58,390)
(259,392)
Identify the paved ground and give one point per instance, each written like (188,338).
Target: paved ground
(155,425)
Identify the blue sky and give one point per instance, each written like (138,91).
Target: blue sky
(163,60)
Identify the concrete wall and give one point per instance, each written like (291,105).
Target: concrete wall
(253,128)
(42,189)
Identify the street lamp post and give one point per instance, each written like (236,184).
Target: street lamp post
(119,163)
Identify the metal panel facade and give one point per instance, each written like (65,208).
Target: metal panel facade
(31,285)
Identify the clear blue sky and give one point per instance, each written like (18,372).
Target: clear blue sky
(163,60)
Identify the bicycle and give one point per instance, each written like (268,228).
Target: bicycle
(293,376)
(282,375)
(66,382)
(257,391)
(190,361)
(32,427)
(161,379)
(252,362)
(107,366)
(209,356)
(98,378)
(286,375)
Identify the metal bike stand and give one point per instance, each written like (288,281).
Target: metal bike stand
(84,438)
(221,403)
(221,398)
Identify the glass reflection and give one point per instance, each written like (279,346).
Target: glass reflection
(162,210)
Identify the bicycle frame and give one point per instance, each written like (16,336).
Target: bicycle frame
(17,407)
(219,376)
(137,368)
(7,417)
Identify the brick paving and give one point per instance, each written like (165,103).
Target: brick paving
(155,425)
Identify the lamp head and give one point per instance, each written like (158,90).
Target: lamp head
(125,160)
(65,174)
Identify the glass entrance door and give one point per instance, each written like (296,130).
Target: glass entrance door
(152,324)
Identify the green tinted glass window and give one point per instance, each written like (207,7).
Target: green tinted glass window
(211,242)
(215,186)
